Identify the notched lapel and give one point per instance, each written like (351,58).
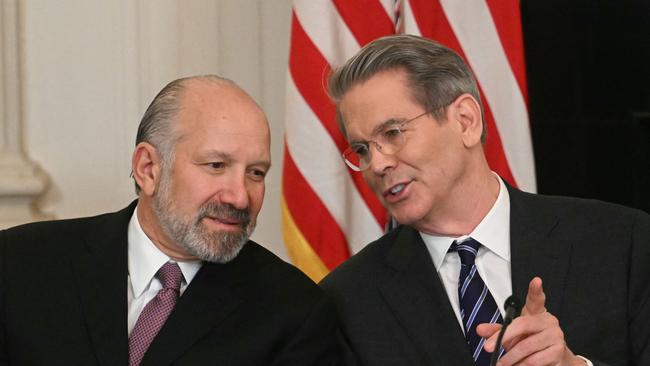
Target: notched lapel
(101,273)
(537,249)
(207,301)
(419,301)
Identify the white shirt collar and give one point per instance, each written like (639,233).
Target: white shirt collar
(493,232)
(145,258)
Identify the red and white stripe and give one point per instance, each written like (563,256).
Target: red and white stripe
(488,35)
(328,211)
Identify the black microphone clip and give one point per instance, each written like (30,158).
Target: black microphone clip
(512,307)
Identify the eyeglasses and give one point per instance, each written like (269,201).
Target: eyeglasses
(388,140)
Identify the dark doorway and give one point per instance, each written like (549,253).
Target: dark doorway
(588,65)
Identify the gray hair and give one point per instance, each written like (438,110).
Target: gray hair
(436,74)
(156,126)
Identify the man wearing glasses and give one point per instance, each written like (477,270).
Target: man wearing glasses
(431,292)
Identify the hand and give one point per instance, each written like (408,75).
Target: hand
(534,338)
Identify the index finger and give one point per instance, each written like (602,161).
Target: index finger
(535,299)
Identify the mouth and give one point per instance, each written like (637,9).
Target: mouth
(396,192)
(222,216)
(227,223)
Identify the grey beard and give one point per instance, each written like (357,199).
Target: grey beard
(190,233)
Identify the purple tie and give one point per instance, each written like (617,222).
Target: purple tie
(155,313)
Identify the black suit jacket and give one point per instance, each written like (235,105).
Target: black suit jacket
(593,257)
(63,301)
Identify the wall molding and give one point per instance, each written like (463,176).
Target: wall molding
(21,180)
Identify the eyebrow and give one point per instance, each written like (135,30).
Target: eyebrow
(380,127)
(216,154)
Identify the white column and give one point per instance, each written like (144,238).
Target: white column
(21,180)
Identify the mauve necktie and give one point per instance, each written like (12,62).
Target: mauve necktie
(155,313)
(476,303)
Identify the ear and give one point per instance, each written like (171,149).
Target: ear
(466,111)
(146,167)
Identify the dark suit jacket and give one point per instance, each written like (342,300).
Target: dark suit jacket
(593,257)
(63,301)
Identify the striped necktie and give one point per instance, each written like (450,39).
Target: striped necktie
(477,305)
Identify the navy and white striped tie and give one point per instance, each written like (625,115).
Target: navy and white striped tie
(476,303)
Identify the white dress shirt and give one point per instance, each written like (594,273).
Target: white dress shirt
(492,260)
(144,260)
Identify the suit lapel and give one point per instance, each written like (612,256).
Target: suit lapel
(101,273)
(419,301)
(537,249)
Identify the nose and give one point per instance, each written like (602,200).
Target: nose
(235,193)
(380,163)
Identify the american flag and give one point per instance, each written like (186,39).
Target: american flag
(328,212)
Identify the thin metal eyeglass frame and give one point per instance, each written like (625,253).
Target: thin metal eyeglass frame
(378,146)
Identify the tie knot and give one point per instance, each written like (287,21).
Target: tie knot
(467,251)
(170,276)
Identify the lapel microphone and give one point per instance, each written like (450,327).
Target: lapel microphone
(512,307)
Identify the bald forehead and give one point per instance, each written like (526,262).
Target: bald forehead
(211,90)
(212,100)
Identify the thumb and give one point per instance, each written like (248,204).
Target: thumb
(535,299)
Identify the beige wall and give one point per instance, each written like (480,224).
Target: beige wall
(90,68)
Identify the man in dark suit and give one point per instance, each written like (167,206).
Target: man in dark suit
(173,278)
(431,291)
